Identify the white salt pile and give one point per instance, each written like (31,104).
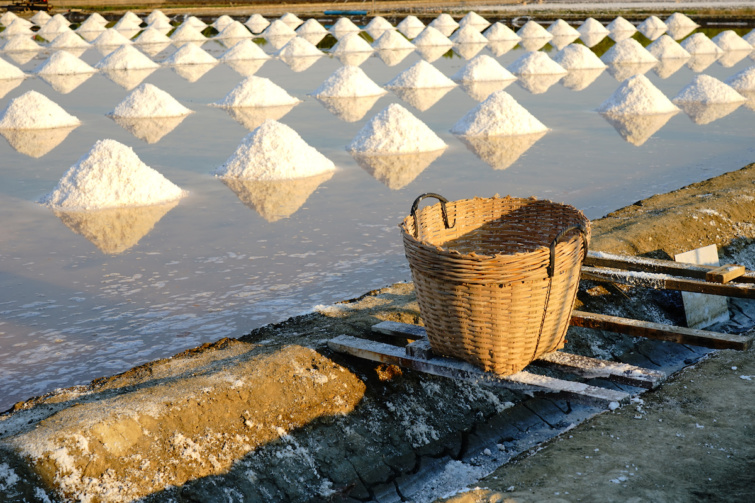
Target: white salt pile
(637,96)
(69,40)
(194,22)
(274,151)
(678,20)
(160,25)
(420,75)
(743,81)
(190,54)
(483,68)
(257,92)
(110,175)
(499,32)
(498,115)
(698,43)
(63,63)
(91,25)
(651,25)
(9,71)
(532,29)
(291,20)
(186,33)
(234,30)
(628,51)
(536,63)
(244,50)
(53,27)
(728,40)
(348,82)
(148,101)
(33,110)
(20,43)
(279,29)
(97,19)
(592,25)
(152,36)
(257,23)
(474,20)
(299,48)
(707,90)
(410,26)
(430,37)
(395,131)
(40,18)
(7,18)
(131,18)
(311,27)
(126,57)
(561,28)
(16,28)
(468,35)
(156,15)
(343,26)
(666,47)
(578,57)
(619,25)
(444,21)
(378,26)
(221,22)
(351,42)
(128,23)
(110,37)
(391,40)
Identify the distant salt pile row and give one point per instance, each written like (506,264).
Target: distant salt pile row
(33,110)
(395,131)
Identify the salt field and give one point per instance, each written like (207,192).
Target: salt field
(93,293)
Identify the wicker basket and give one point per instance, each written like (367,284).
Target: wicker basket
(495,278)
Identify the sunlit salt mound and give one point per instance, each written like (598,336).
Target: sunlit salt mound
(156,15)
(620,25)
(481,69)
(420,75)
(728,40)
(499,32)
(561,28)
(190,54)
(431,37)
(186,33)
(298,47)
(274,151)
(257,23)
(69,40)
(148,100)
(698,43)
(577,57)
(111,175)
(291,20)
(91,25)
(128,23)
(592,26)
(311,27)
(531,29)
(63,63)
(9,71)
(410,26)
(234,30)
(257,92)
(221,22)
(628,51)
(279,29)
(343,26)
(653,24)
(126,57)
(152,36)
(742,82)
(40,18)
(637,96)
(468,35)
(194,22)
(17,27)
(498,115)
(33,110)
(474,20)
(348,82)
(535,63)
(391,40)
(395,131)
(351,42)
(707,90)
(21,43)
(110,37)
(7,18)
(242,51)
(396,171)
(58,24)
(444,20)
(666,47)
(679,20)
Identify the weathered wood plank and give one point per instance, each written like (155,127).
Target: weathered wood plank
(457,369)
(725,273)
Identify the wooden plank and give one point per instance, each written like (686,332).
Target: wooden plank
(681,335)
(457,369)
(396,329)
(725,273)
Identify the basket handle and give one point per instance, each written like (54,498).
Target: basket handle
(552,265)
(443,202)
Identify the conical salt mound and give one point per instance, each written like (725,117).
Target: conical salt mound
(69,40)
(91,25)
(483,68)
(9,71)
(395,131)
(348,82)
(592,25)
(468,35)
(474,20)
(499,32)
(561,28)
(110,37)
(63,63)
(532,29)
(391,40)
(291,20)
(242,51)
(578,57)
(311,27)
(535,63)
(40,18)
(21,43)
(651,25)
(234,30)
(156,15)
(378,26)
(257,92)
(628,51)
(190,54)
(19,29)
(707,90)
(152,36)
(274,151)
(186,33)
(728,40)
(194,22)
(742,82)
(257,23)
(620,25)
(221,22)
(421,75)
(126,24)
(7,18)
(147,101)
(637,96)
(351,42)
(698,44)
(679,20)
(498,115)
(343,26)
(126,57)
(410,26)
(431,37)
(279,29)
(33,110)
(111,175)
(298,48)
(666,47)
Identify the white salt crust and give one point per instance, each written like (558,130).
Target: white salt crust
(628,51)
(498,115)
(274,151)
(190,54)
(7,18)
(420,75)
(111,175)
(279,29)
(244,50)
(148,100)
(298,47)
(578,57)
(126,57)
(707,90)
(9,71)
(483,68)
(351,42)
(620,25)
(637,96)
(678,20)
(666,47)
(561,28)
(535,63)
(395,131)
(20,43)
(468,35)
(311,27)
(257,92)
(69,40)
(593,26)
(728,40)
(532,29)
(187,33)
(499,32)
(63,63)
(152,36)
(234,30)
(391,40)
(431,37)
(33,110)
(698,43)
(110,37)
(743,81)
(291,20)
(348,82)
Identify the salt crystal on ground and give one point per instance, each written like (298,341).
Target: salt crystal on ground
(728,40)
(291,20)
(535,63)
(577,57)
(678,20)
(221,22)
(69,40)
(743,81)
(698,43)
(431,37)
(637,96)
(628,51)
(474,20)
(561,28)
(234,30)
(348,82)
(21,43)
(499,32)
(498,115)
(152,36)
(483,68)
(707,90)
(148,100)
(110,37)
(33,110)
(532,29)
(592,25)
(666,47)
(244,50)
(619,25)
(410,26)
(343,26)
(257,23)
(311,27)
(257,92)
(190,54)
(279,29)
(9,71)
(351,42)
(391,40)
(299,48)
(63,63)
(274,151)
(186,33)
(126,57)
(395,131)
(111,175)
(421,75)
(468,35)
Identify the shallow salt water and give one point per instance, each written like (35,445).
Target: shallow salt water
(213,267)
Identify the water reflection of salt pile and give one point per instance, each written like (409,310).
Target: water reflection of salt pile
(246,67)
(432,53)
(731,58)
(149,129)
(35,142)
(348,109)
(699,62)
(538,84)
(396,171)
(623,71)
(480,90)
(668,67)
(707,99)
(637,129)
(423,98)
(7,85)
(578,80)
(392,57)
(115,230)
(128,79)
(561,41)
(500,152)
(498,49)
(64,84)
(468,51)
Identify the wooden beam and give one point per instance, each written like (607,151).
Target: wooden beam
(725,273)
